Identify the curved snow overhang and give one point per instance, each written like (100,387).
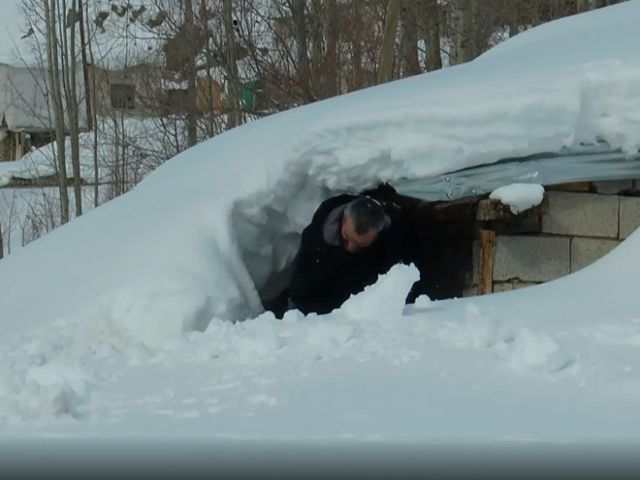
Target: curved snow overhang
(596,163)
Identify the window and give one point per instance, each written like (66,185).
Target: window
(123,96)
(176,100)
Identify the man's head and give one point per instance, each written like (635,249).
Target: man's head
(362,221)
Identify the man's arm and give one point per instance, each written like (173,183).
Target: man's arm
(311,288)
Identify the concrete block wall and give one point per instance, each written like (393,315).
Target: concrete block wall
(582,214)
(579,228)
(531,258)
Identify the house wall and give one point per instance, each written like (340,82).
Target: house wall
(151,98)
(6,148)
(583,223)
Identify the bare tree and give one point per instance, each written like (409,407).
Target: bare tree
(387,55)
(409,40)
(191,74)
(232,68)
(356,45)
(332,71)
(69,63)
(52,19)
(299,14)
(431,34)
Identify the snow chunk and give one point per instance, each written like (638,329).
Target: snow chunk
(57,389)
(519,196)
(386,298)
(537,351)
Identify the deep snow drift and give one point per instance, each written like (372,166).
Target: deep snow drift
(119,322)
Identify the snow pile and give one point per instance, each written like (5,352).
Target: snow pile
(157,290)
(519,196)
(63,368)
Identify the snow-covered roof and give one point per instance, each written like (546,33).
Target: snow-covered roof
(23,103)
(152,277)
(12,27)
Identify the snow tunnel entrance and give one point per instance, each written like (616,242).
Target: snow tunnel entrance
(444,233)
(455,240)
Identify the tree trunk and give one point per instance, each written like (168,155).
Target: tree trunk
(332,72)
(304,69)
(232,68)
(1,244)
(85,67)
(92,92)
(192,107)
(584,5)
(409,43)
(432,37)
(53,73)
(464,22)
(356,45)
(385,69)
(71,97)
(317,42)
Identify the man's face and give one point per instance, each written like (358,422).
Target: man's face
(353,242)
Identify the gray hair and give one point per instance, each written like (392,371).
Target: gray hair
(367,214)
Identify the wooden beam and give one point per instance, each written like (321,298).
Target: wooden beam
(570,187)
(487,255)
(490,209)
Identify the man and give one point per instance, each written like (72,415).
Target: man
(350,241)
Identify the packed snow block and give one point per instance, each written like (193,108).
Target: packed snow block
(531,259)
(629,215)
(582,214)
(613,187)
(585,251)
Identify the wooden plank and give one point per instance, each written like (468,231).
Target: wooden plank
(487,255)
(490,210)
(49,181)
(570,187)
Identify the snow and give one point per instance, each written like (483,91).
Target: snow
(142,318)
(519,196)
(18,206)
(11,29)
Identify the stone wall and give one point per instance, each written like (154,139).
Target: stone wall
(579,228)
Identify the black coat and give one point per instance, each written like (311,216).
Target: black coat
(324,276)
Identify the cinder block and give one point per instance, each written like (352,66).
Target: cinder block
(507,286)
(519,285)
(629,215)
(470,291)
(502,287)
(531,259)
(585,251)
(582,214)
(613,187)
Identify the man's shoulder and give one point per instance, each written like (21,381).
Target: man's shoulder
(330,203)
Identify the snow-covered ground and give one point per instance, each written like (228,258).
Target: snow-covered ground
(142,318)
